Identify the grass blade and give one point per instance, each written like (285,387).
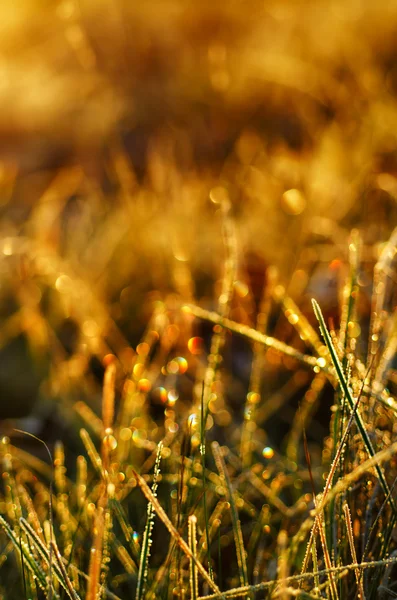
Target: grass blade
(175,534)
(346,390)
(238,537)
(147,536)
(193,547)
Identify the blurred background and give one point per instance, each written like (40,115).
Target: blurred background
(126,128)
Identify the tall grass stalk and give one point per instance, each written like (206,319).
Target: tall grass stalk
(193,548)
(350,537)
(147,535)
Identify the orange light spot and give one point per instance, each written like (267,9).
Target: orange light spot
(144,385)
(195,345)
(182,364)
(161,394)
(335,264)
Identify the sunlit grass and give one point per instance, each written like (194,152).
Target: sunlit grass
(93,543)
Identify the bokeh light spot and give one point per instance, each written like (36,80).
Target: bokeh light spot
(268,452)
(144,385)
(293,202)
(195,345)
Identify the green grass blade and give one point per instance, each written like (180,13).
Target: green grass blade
(29,560)
(44,552)
(345,388)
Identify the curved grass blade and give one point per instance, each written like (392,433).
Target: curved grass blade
(51,587)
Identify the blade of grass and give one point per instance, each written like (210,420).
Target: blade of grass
(266,585)
(147,536)
(350,537)
(193,546)
(49,503)
(282,562)
(251,334)
(348,395)
(315,566)
(320,525)
(30,562)
(70,590)
(94,569)
(238,537)
(254,389)
(44,552)
(175,534)
(202,453)
(92,451)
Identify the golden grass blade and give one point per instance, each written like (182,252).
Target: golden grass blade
(386,357)
(51,590)
(327,558)
(81,480)
(108,396)
(22,547)
(94,570)
(253,397)
(193,547)
(343,484)
(214,523)
(251,334)
(266,585)
(282,563)
(219,195)
(290,592)
(32,514)
(147,536)
(71,592)
(315,568)
(45,553)
(62,505)
(330,478)
(89,417)
(238,537)
(299,321)
(92,451)
(176,535)
(350,537)
(379,290)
